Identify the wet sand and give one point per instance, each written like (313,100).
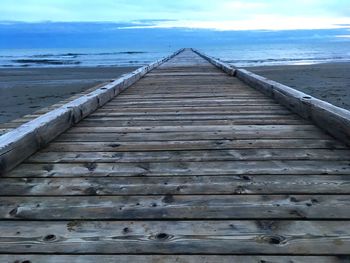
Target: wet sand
(25,90)
(329,82)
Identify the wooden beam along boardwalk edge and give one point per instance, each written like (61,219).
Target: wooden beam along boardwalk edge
(330,118)
(114,258)
(20,143)
(230,70)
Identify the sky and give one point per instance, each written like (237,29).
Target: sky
(204,14)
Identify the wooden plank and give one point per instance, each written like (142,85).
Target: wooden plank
(150,90)
(199,128)
(176,207)
(177,117)
(191,105)
(186,117)
(177,185)
(185,74)
(181,168)
(189,80)
(186,109)
(177,237)
(190,156)
(119,146)
(189,136)
(195,95)
(228,99)
(177,98)
(204,67)
(246,121)
(167,102)
(170,259)
(182,112)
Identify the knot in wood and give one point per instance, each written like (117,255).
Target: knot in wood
(50,238)
(162,236)
(275,240)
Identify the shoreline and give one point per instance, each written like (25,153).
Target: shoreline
(326,81)
(26,90)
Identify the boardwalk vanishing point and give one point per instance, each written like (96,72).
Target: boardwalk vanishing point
(185,160)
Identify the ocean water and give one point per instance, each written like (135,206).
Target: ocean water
(106,44)
(76,57)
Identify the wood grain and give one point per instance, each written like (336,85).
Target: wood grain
(177,185)
(170,259)
(176,237)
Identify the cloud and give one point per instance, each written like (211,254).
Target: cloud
(219,15)
(264,22)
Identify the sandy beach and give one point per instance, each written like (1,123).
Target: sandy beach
(329,82)
(23,91)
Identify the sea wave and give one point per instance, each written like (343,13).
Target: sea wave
(75,55)
(69,55)
(280,61)
(46,61)
(86,59)
(121,58)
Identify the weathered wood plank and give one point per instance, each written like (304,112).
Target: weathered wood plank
(179,110)
(190,156)
(242,121)
(176,207)
(175,185)
(185,74)
(170,259)
(192,117)
(150,90)
(177,237)
(104,111)
(181,168)
(190,136)
(160,107)
(193,95)
(120,146)
(187,117)
(183,113)
(167,102)
(200,128)
(228,99)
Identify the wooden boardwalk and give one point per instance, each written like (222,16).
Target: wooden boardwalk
(187,165)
